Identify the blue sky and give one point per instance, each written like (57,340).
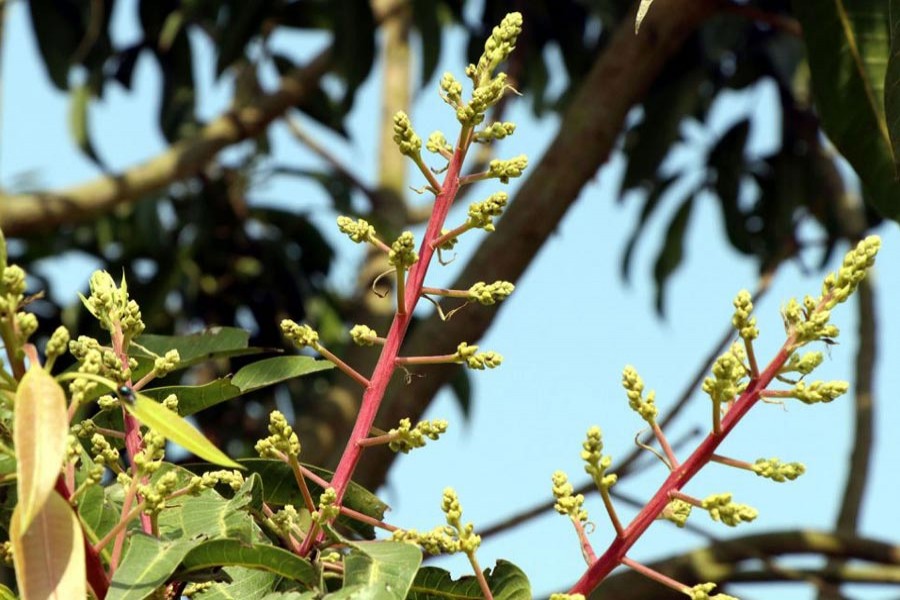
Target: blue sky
(565,334)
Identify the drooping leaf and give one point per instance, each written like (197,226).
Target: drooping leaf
(651,203)
(892,84)
(426,17)
(461,386)
(274,370)
(177,430)
(177,111)
(216,342)
(244,22)
(97,512)
(847,49)
(671,252)
(41,428)
(244,584)
(507,582)
(354,43)
(49,555)
(195,398)
(384,570)
(280,488)
(727,158)
(225,552)
(58,29)
(79,123)
(148,563)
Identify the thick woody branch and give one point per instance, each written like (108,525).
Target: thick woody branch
(26,213)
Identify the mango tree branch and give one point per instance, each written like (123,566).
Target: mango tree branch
(587,135)
(22,214)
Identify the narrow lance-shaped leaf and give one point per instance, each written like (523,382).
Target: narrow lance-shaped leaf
(847,48)
(79,124)
(41,427)
(175,429)
(892,84)
(641,14)
(49,555)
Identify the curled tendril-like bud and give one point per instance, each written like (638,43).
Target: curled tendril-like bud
(328,507)
(406,437)
(701,592)
(406,139)
(359,231)
(776,470)
(495,131)
(506,169)
(497,47)
(488,294)
(437,143)
(819,391)
(451,90)
(567,502)
(804,365)
(721,508)
(838,286)
(301,335)
(403,254)
(634,389)
(282,441)
(484,360)
(362,335)
(481,214)
(677,511)
(468,540)
(166,364)
(742,321)
(728,371)
(596,463)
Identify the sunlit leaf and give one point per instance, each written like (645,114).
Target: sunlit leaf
(175,429)
(383,570)
(641,14)
(49,555)
(40,435)
(148,563)
(217,553)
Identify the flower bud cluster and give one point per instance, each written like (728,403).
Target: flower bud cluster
(282,441)
(403,251)
(721,508)
(111,306)
(301,335)
(728,371)
(567,502)
(150,458)
(481,214)
(596,463)
(742,321)
(634,389)
(438,144)
(819,391)
(776,470)
(155,495)
(804,365)
(701,592)
(406,437)
(473,359)
(494,131)
(363,335)
(497,48)
(163,365)
(488,294)
(405,137)
(328,507)
(358,231)
(677,511)
(838,286)
(102,452)
(504,170)
(209,479)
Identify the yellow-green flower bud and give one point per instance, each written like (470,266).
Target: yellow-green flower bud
(406,139)
(301,335)
(166,364)
(495,131)
(778,471)
(819,391)
(634,389)
(481,214)
(438,144)
(58,342)
(407,437)
(721,508)
(838,287)
(677,511)
(14,280)
(742,321)
(498,47)
(363,335)
(27,324)
(701,592)
(596,463)
(282,441)
(488,294)
(359,231)
(451,90)
(506,169)
(328,507)
(403,254)
(567,502)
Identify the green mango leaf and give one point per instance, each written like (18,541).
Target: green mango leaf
(6,593)
(49,555)
(216,553)
(98,513)
(426,17)
(177,110)
(40,435)
(507,582)
(280,488)
(672,251)
(892,84)
(847,49)
(58,29)
(245,584)
(79,124)
(274,370)
(378,571)
(651,203)
(194,348)
(244,22)
(175,429)
(194,398)
(148,563)
(209,515)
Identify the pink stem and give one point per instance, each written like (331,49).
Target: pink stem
(678,478)
(384,369)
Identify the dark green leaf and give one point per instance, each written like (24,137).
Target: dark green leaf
(58,29)
(672,251)
(379,570)
(216,342)
(847,49)
(354,43)
(224,552)
(892,84)
(177,118)
(195,398)
(426,19)
(246,584)
(98,512)
(651,202)
(507,582)
(274,370)
(461,386)
(243,23)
